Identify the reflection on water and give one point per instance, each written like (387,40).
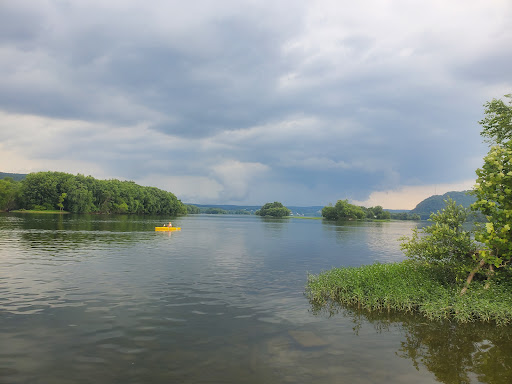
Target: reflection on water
(454,353)
(381,238)
(107,299)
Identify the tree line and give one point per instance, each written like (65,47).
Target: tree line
(343,210)
(275,209)
(85,194)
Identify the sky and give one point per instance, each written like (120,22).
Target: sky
(252,101)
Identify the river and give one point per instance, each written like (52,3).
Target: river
(106,299)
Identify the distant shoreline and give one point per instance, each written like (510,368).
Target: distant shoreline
(34,211)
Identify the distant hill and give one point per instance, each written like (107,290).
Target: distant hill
(14,176)
(436,203)
(313,211)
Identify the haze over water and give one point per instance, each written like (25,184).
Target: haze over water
(106,299)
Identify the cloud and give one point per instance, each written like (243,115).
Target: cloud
(252,101)
(407,197)
(237,177)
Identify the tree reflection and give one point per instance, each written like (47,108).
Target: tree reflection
(454,353)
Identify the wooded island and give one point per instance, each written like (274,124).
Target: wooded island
(48,191)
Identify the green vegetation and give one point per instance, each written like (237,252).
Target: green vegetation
(493,189)
(445,241)
(409,286)
(497,122)
(377,213)
(46,191)
(405,216)
(9,192)
(343,210)
(13,176)
(275,209)
(435,203)
(443,259)
(192,209)
(35,211)
(220,209)
(214,211)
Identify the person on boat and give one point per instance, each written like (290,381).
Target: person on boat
(169,225)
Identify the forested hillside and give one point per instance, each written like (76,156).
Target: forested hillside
(14,176)
(85,194)
(436,203)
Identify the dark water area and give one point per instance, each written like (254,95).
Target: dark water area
(106,299)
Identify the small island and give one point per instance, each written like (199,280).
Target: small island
(451,273)
(275,209)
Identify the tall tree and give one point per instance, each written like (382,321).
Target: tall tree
(497,124)
(9,190)
(494,199)
(343,210)
(493,189)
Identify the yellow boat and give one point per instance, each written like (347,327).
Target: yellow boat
(167,228)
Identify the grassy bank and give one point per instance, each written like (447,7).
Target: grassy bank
(33,211)
(412,287)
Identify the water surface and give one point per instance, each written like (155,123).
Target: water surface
(106,299)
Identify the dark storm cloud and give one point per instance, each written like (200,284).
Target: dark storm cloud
(242,101)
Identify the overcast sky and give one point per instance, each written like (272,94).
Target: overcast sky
(246,102)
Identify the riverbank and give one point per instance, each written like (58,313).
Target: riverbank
(34,211)
(432,291)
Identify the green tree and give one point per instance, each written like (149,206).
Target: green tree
(62,197)
(493,191)
(329,212)
(343,210)
(378,213)
(445,241)
(80,200)
(214,211)
(39,191)
(192,209)
(9,190)
(275,209)
(81,194)
(497,124)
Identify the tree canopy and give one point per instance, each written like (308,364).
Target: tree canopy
(343,210)
(494,199)
(493,189)
(445,241)
(497,123)
(275,209)
(9,191)
(85,194)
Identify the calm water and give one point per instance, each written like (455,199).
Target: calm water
(105,299)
